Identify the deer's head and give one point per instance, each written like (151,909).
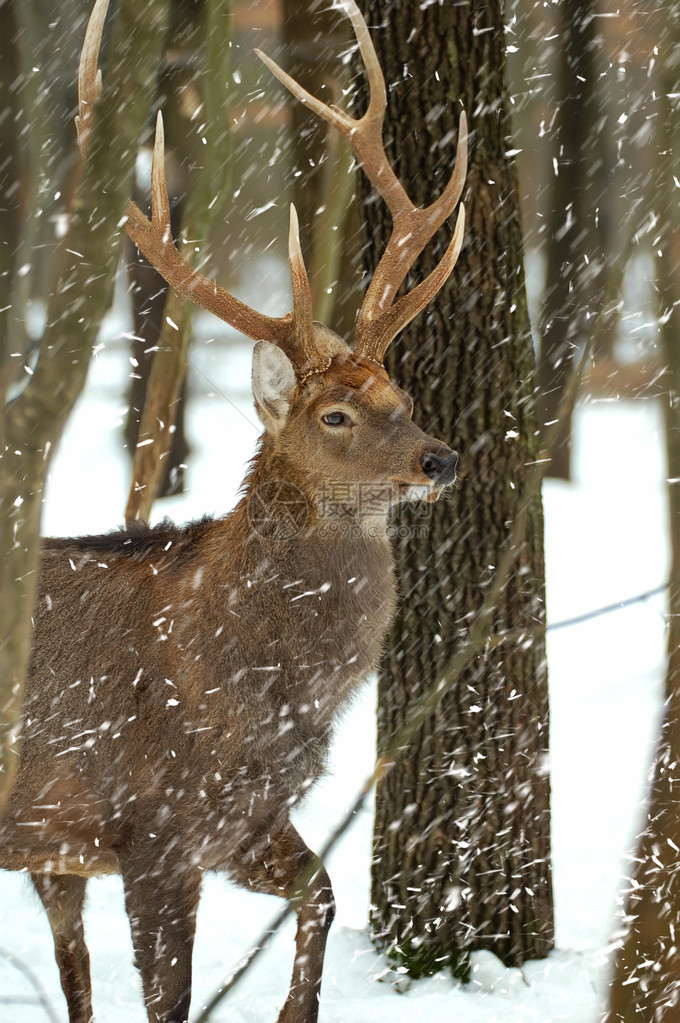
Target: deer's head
(347,429)
(329,411)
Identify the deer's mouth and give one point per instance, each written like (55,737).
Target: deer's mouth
(417,490)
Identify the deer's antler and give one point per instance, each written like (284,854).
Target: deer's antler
(380,317)
(153,238)
(293,333)
(89,76)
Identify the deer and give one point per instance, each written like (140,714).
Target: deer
(185,680)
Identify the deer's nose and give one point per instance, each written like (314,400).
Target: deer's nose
(441,469)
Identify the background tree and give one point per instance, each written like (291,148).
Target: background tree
(462,835)
(34,417)
(646,981)
(576,219)
(197,83)
(180,78)
(315,44)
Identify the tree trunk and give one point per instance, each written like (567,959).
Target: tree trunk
(33,422)
(462,832)
(646,983)
(574,266)
(11,184)
(315,39)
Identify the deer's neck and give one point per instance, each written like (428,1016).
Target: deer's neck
(319,603)
(284,541)
(281,504)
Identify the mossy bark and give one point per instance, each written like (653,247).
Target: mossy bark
(32,424)
(461,856)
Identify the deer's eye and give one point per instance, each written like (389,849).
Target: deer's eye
(336,419)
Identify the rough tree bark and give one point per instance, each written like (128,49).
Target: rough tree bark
(646,982)
(461,857)
(32,423)
(40,46)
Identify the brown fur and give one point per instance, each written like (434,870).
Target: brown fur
(184,684)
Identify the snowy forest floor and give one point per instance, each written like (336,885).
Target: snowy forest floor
(606,540)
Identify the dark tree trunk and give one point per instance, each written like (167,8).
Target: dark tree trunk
(646,983)
(574,263)
(462,832)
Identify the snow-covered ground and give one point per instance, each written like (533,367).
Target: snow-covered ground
(606,541)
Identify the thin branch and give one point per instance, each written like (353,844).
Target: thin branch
(34,981)
(606,609)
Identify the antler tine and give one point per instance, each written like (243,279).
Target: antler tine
(303,314)
(373,337)
(160,201)
(332,114)
(343,122)
(411,232)
(445,204)
(364,134)
(89,76)
(153,238)
(412,227)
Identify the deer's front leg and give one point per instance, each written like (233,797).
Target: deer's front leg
(284,865)
(161,899)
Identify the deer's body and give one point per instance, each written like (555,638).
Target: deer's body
(184,682)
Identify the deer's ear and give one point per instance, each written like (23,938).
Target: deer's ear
(274,382)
